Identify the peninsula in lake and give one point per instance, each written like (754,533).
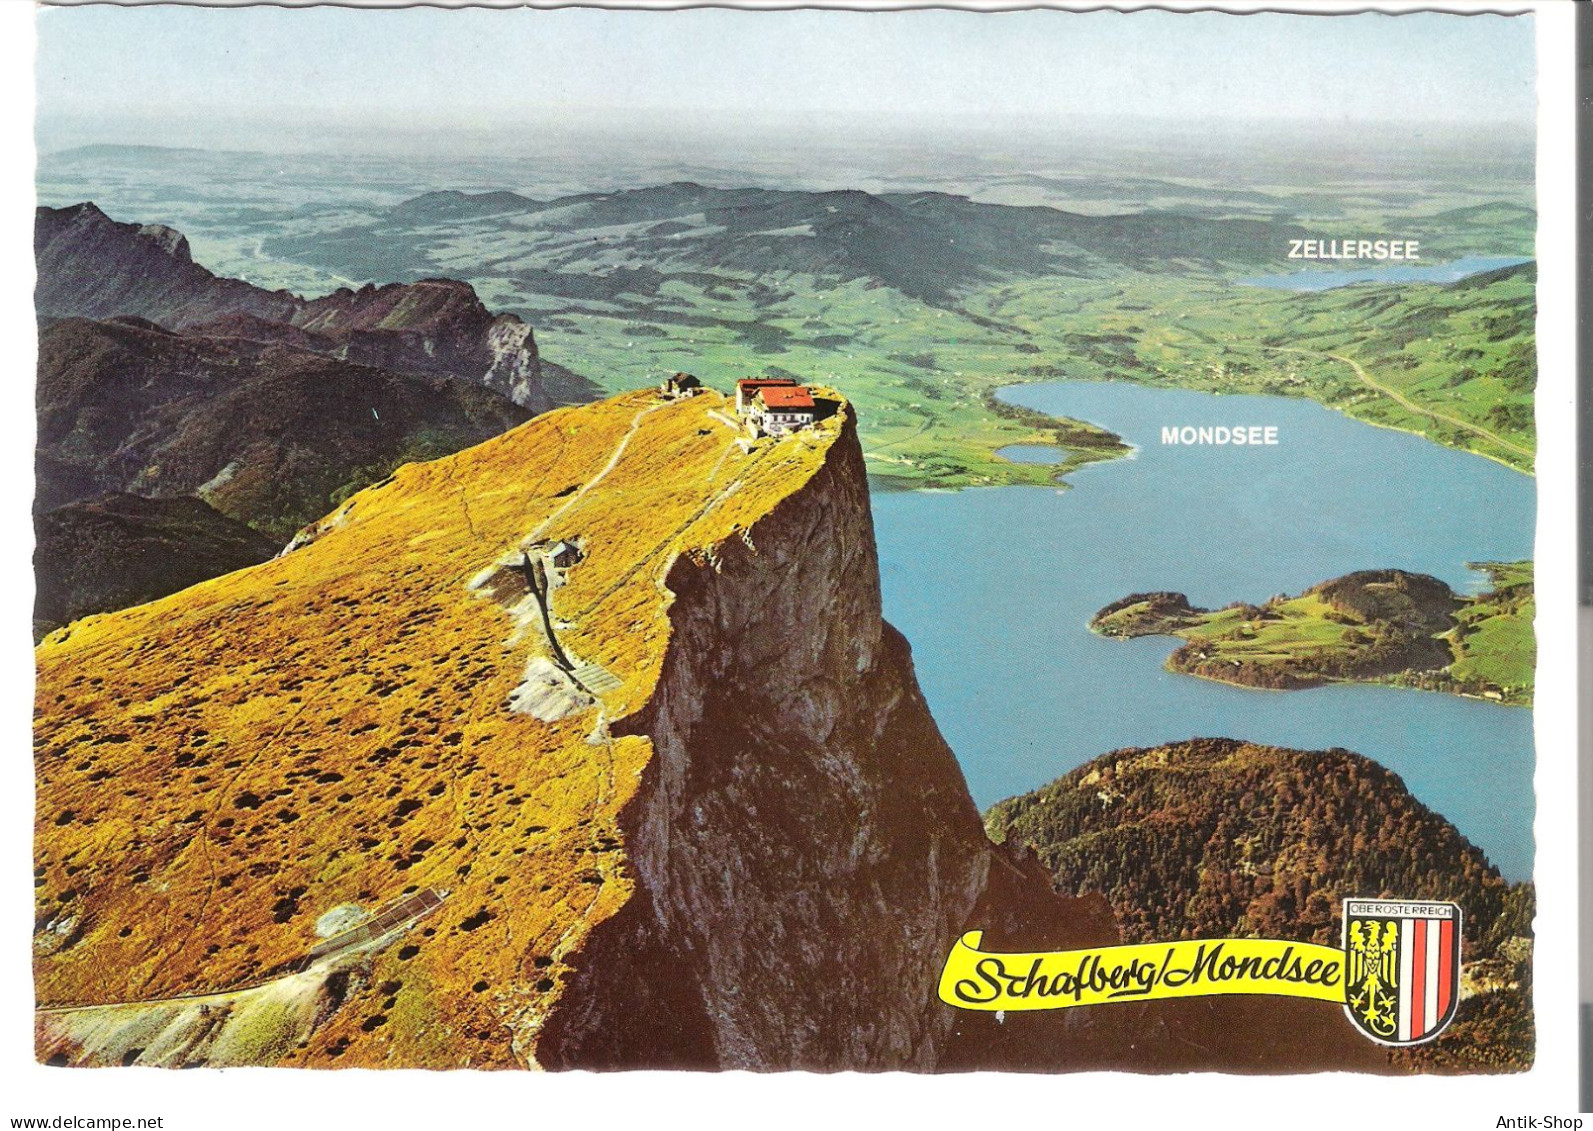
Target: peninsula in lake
(1386,626)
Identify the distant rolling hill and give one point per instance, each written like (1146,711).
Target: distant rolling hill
(449,204)
(927,245)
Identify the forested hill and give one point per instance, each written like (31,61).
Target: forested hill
(1215,837)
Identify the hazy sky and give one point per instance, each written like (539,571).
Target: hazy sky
(429,67)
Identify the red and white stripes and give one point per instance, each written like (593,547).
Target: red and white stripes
(1426,974)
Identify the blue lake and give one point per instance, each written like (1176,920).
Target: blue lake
(1451,272)
(995,588)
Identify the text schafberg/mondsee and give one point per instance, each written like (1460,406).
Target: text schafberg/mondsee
(1095,973)
(1256,434)
(1355,249)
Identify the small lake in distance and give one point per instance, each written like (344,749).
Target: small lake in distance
(1451,272)
(994,588)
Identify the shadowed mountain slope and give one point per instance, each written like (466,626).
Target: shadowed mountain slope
(121,550)
(269,435)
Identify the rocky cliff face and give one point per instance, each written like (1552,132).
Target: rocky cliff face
(435,326)
(804,846)
(91,266)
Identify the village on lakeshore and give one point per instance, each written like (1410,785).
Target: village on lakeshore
(766,406)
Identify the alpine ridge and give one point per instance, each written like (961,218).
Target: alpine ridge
(90,266)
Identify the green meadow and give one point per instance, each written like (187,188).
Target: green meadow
(1495,651)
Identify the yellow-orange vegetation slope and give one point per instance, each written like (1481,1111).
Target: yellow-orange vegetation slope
(218,769)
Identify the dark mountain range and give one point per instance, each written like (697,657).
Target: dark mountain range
(228,407)
(121,550)
(929,245)
(1214,838)
(90,266)
(269,434)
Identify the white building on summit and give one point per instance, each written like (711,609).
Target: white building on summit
(748,388)
(775,406)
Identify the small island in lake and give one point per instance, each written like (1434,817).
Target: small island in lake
(1382,626)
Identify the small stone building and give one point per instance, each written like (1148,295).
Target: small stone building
(681,385)
(562,555)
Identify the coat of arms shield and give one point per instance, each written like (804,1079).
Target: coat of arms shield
(1402,968)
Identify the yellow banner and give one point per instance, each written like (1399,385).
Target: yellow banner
(1060,979)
